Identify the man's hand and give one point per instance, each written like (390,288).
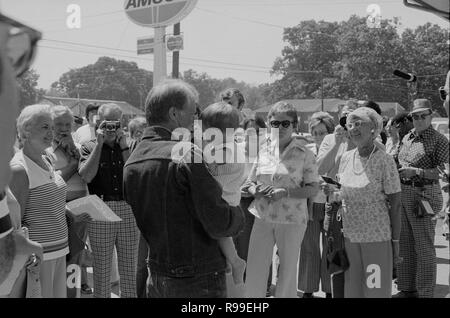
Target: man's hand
(100,135)
(407,172)
(121,139)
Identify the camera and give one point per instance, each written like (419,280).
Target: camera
(343,121)
(110,126)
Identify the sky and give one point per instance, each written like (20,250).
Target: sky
(223,38)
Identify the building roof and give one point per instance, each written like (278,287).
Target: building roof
(78,106)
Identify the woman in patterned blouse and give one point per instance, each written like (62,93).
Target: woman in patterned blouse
(282,178)
(370,196)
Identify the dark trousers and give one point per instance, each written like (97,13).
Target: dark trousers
(142,270)
(210,285)
(243,239)
(337,282)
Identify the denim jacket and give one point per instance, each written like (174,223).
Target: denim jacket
(178,207)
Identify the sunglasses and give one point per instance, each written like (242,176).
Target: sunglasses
(277,123)
(355,124)
(442,93)
(422,116)
(20,44)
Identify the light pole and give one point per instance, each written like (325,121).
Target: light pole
(321,81)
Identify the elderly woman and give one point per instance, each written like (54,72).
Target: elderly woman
(370,193)
(282,178)
(312,266)
(66,156)
(41,193)
(136,128)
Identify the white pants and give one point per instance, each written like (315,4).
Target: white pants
(53,278)
(288,238)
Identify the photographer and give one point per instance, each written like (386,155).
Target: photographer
(101,166)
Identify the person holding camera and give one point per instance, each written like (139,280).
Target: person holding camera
(101,166)
(423,153)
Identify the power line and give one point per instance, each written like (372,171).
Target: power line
(131,51)
(147,59)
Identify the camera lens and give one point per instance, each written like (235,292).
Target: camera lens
(343,121)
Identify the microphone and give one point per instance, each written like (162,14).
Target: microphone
(407,76)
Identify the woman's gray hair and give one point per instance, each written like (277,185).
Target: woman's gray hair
(370,114)
(28,117)
(109,107)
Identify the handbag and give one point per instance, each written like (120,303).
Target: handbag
(337,260)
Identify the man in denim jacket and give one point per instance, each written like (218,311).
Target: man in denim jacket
(177,203)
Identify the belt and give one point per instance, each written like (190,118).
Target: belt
(418,184)
(111,197)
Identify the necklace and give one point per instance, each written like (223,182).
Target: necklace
(364,165)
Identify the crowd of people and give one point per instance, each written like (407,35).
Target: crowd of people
(201,216)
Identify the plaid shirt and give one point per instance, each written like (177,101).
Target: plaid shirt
(425,150)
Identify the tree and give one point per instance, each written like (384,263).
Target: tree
(107,79)
(357,61)
(210,88)
(28,91)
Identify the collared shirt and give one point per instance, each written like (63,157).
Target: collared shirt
(425,150)
(295,167)
(108,180)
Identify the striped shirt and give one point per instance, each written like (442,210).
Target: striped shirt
(45,215)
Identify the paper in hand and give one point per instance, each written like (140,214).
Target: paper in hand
(95,207)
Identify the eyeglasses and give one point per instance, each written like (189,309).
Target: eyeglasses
(355,124)
(420,117)
(277,123)
(319,133)
(20,44)
(442,93)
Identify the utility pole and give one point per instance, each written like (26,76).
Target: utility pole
(176,54)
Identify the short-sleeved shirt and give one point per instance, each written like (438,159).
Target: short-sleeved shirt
(108,180)
(425,150)
(293,168)
(364,196)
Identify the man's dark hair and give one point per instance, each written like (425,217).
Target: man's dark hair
(373,105)
(91,108)
(170,93)
(227,94)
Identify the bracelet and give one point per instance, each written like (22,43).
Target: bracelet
(125,149)
(395,241)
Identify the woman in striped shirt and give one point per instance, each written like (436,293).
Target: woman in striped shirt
(41,193)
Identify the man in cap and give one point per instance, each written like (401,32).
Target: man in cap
(423,153)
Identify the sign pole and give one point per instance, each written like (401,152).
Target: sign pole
(160,61)
(176,54)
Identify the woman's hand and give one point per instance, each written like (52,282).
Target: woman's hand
(260,190)
(328,189)
(277,194)
(407,172)
(396,253)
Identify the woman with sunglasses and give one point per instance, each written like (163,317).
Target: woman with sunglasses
(370,193)
(282,178)
(423,153)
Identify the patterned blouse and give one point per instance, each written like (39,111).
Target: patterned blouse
(365,207)
(295,167)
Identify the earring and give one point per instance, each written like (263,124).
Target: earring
(372,131)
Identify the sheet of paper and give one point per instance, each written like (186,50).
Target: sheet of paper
(95,207)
